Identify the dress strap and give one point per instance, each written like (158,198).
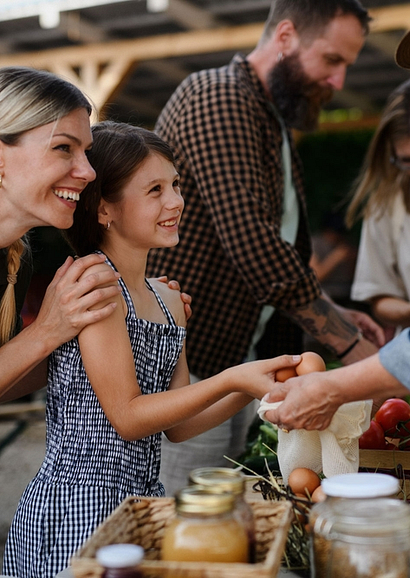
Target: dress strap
(161,303)
(125,293)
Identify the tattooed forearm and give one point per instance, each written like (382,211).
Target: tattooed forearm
(322,320)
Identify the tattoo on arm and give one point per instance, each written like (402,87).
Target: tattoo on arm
(320,319)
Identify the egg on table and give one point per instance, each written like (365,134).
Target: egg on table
(303,481)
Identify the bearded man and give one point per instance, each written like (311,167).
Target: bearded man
(244,240)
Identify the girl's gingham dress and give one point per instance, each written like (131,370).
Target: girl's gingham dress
(88,468)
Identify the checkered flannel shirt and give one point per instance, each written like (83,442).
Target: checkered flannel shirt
(231,258)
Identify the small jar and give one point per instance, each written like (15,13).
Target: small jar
(120,560)
(344,493)
(228,480)
(369,540)
(204,529)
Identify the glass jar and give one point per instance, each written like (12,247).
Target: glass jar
(204,529)
(120,560)
(370,539)
(228,480)
(344,493)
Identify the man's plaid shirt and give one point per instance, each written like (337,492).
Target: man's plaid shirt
(231,258)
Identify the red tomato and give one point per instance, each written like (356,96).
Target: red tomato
(394,417)
(373,438)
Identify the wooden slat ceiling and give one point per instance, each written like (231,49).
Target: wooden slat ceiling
(129,60)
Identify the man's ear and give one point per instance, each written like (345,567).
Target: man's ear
(287,39)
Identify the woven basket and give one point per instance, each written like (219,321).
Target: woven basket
(143,520)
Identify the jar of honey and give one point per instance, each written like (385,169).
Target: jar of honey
(120,560)
(229,480)
(204,529)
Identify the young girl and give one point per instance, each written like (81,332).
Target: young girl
(112,390)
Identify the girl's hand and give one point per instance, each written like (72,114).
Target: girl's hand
(256,378)
(65,310)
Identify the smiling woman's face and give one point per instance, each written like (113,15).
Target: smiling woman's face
(44,174)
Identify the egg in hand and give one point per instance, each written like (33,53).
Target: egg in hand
(309,363)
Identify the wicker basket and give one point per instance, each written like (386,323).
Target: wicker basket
(142,521)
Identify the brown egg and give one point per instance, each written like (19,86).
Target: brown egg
(318,495)
(303,481)
(311,361)
(285,373)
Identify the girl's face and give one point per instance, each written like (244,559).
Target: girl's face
(149,212)
(44,174)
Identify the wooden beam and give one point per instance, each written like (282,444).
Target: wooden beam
(395,17)
(101,68)
(190,16)
(150,48)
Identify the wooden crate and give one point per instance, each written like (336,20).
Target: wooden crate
(142,521)
(384,459)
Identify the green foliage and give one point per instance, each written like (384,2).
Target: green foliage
(261,448)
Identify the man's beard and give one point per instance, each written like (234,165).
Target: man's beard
(297,99)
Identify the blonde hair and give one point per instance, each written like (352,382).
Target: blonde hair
(29,98)
(380,181)
(8,302)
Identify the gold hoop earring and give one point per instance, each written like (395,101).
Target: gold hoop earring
(107,226)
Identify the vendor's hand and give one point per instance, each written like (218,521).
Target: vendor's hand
(186,299)
(307,403)
(65,310)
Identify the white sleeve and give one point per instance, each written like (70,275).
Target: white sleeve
(376,267)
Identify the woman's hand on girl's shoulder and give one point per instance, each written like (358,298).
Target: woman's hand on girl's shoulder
(175,286)
(173,299)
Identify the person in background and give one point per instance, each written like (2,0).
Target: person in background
(44,141)
(112,389)
(245,244)
(382,196)
(310,401)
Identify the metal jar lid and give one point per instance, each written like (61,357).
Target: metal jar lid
(199,500)
(225,478)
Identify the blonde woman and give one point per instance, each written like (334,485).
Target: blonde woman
(382,197)
(44,138)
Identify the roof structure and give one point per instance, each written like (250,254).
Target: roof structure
(129,55)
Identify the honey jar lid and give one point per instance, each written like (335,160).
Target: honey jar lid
(361,485)
(226,479)
(199,500)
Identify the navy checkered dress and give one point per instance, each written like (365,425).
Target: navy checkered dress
(88,468)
